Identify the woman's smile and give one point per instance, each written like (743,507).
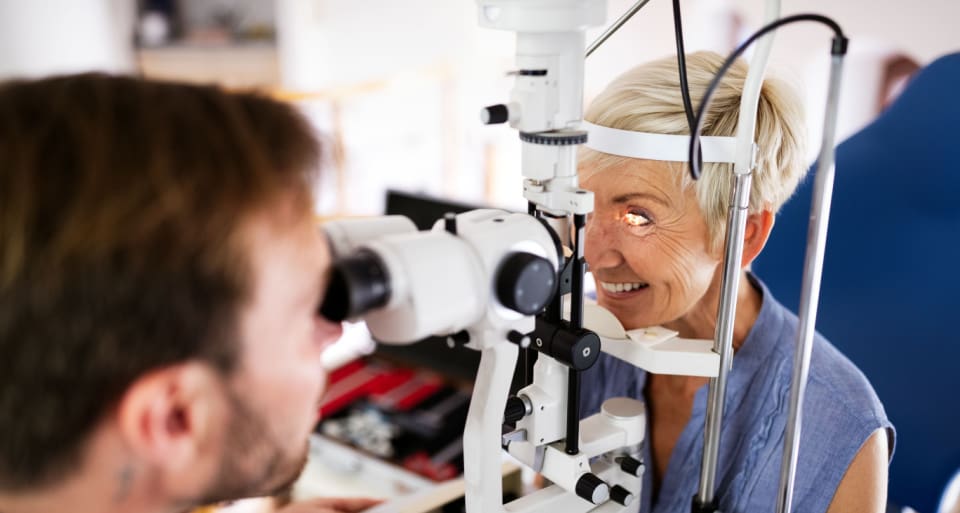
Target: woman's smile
(622,290)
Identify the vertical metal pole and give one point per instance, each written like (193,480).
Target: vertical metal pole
(527,355)
(810,291)
(576,322)
(576,286)
(573,412)
(723,338)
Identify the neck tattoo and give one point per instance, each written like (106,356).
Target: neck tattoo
(125,479)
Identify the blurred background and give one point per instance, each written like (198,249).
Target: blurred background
(394,88)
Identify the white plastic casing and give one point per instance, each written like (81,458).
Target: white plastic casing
(547,95)
(443,283)
(548,398)
(345,235)
(654,349)
(438,287)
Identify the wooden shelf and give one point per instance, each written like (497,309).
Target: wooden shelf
(234,66)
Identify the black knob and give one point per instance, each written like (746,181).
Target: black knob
(495,114)
(516,409)
(518,338)
(578,349)
(450,222)
(525,283)
(593,489)
(631,466)
(458,339)
(621,495)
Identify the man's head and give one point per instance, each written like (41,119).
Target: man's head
(159,276)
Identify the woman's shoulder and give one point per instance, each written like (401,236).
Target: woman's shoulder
(832,376)
(840,411)
(832,379)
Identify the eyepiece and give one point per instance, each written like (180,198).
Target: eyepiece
(358,283)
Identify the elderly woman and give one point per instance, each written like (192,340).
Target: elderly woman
(655,247)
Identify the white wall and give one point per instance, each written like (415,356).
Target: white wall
(924,28)
(40,37)
(333,43)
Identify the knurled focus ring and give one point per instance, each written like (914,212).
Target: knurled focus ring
(566,138)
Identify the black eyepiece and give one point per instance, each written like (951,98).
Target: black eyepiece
(358,283)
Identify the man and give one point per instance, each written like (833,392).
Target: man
(160,271)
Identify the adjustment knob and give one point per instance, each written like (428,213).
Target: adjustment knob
(518,338)
(525,283)
(495,114)
(516,409)
(631,466)
(458,339)
(621,495)
(450,223)
(593,489)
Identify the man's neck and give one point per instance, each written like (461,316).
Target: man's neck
(106,482)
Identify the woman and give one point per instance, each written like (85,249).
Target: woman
(655,247)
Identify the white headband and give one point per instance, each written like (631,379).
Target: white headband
(644,145)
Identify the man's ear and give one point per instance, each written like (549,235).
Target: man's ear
(169,417)
(756,235)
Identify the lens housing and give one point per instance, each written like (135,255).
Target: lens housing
(358,283)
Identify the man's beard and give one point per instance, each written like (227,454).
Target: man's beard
(254,463)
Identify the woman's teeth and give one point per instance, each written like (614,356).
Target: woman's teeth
(622,287)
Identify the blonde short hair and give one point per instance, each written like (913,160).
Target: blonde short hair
(647,99)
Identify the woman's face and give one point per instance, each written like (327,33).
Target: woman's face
(647,243)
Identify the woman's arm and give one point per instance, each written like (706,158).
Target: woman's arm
(864,485)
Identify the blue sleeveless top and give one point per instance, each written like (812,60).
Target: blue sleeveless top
(840,412)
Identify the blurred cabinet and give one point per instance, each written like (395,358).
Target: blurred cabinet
(235,66)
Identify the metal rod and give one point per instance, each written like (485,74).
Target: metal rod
(527,356)
(576,286)
(723,337)
(810,291)
(576,322)
(740,201)
(615,27)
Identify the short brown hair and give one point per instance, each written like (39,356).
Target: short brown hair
(120,200)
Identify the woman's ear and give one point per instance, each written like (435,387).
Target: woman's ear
(756,234)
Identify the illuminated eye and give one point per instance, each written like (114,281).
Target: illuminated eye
(636,219)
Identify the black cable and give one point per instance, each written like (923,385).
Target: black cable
(682,64)
(839,47)
(682,69)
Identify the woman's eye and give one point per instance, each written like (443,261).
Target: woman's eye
(636,218)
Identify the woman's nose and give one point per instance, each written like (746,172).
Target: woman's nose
(602,248)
